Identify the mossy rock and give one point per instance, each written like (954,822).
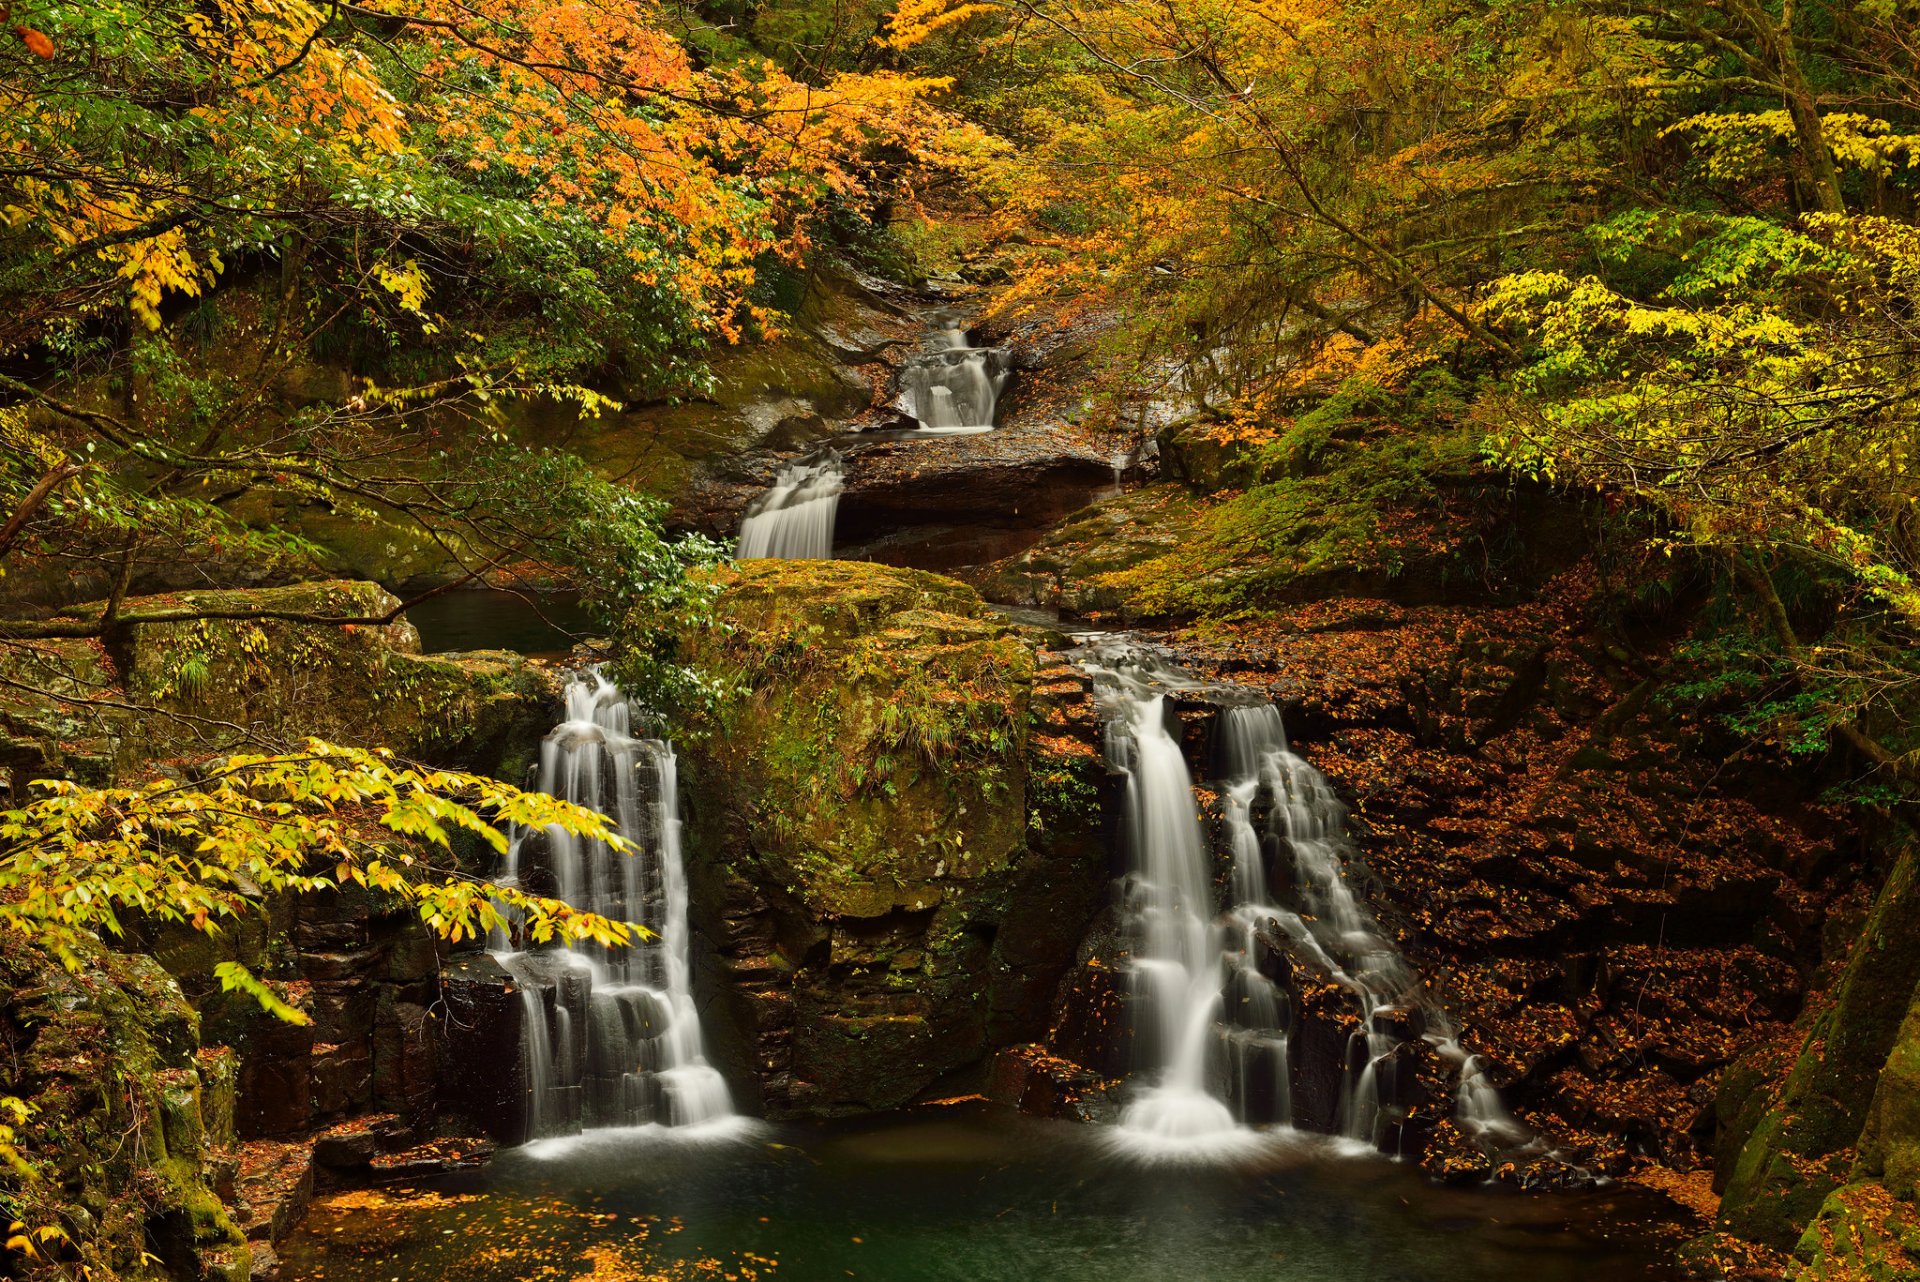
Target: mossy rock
(220,682)
(1862,1233)
(126,1107)
(47,728)
(905,865)
(877,717)
(1801,1148)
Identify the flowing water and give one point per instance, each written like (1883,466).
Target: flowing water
(612,1037)
(1211,1030)
(965,1194)
(794,518)
(954,387)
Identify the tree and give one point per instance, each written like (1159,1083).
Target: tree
(264,257)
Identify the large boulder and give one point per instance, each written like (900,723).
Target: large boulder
(892,866)
(254,668)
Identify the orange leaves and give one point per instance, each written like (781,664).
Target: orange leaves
(36,41)
(916,20)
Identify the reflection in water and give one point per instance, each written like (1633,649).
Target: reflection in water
(537,623)
(978,1195)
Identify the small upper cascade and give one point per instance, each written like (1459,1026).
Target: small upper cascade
(611,1036)
(794,518)
(1211,1030)
(953,387)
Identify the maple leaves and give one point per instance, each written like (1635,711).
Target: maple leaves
(77,861)
(211,129)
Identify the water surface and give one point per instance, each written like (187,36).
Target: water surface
(534,623)
(964,1195)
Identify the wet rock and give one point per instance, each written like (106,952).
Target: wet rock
(274,1185)
(899,867)
(1452,1157)
(484,1081)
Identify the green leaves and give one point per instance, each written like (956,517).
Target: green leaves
(235,977)
(77,859)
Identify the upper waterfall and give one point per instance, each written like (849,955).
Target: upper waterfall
(794,518)
(954,387)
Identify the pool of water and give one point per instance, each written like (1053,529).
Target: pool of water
(964,1195)
(535,623)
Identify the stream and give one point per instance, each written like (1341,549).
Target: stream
(966,1193)
(641,1171)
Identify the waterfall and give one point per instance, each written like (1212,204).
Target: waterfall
(1211,1031)
(612,1037)
(794,518)
(954,387)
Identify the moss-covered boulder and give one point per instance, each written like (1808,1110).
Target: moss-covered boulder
(899,866)
(126,1139)
(1793,1145)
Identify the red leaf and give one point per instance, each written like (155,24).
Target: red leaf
(36,41)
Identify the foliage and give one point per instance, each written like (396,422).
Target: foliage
(77,861)
(269,258)
(1673,248)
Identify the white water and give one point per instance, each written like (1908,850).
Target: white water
(1212,1031)
(954,388)
(794,518)
(612,1037)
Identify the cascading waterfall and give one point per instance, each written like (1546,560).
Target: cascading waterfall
(794,518)
(612,1037)
(1198,991)
(954,387)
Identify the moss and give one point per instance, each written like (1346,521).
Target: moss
(221,683)
(123,1099)
(1861,1234)
(862,788)
(1801,1147)
(877,718)
(1337,502)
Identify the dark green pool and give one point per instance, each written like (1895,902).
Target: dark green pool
(964,1195)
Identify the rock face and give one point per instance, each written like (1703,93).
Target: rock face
(132,1131)
(1819,1141)
(893,856)
(153,691)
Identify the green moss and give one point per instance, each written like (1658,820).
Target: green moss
(108,1058)
(220,683)
(1861,1234)
(1801,1147)
(878,720)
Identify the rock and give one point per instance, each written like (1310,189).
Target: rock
(869,848)
(125,1107)
(1452,1158)
(1800,1147)
(275,1185)
(231,683)
(483,1082)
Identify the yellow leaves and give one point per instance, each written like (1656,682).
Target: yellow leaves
(234,977)
(1742,144)
(407,283)
(918,20)
(153,266)
(260,826)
